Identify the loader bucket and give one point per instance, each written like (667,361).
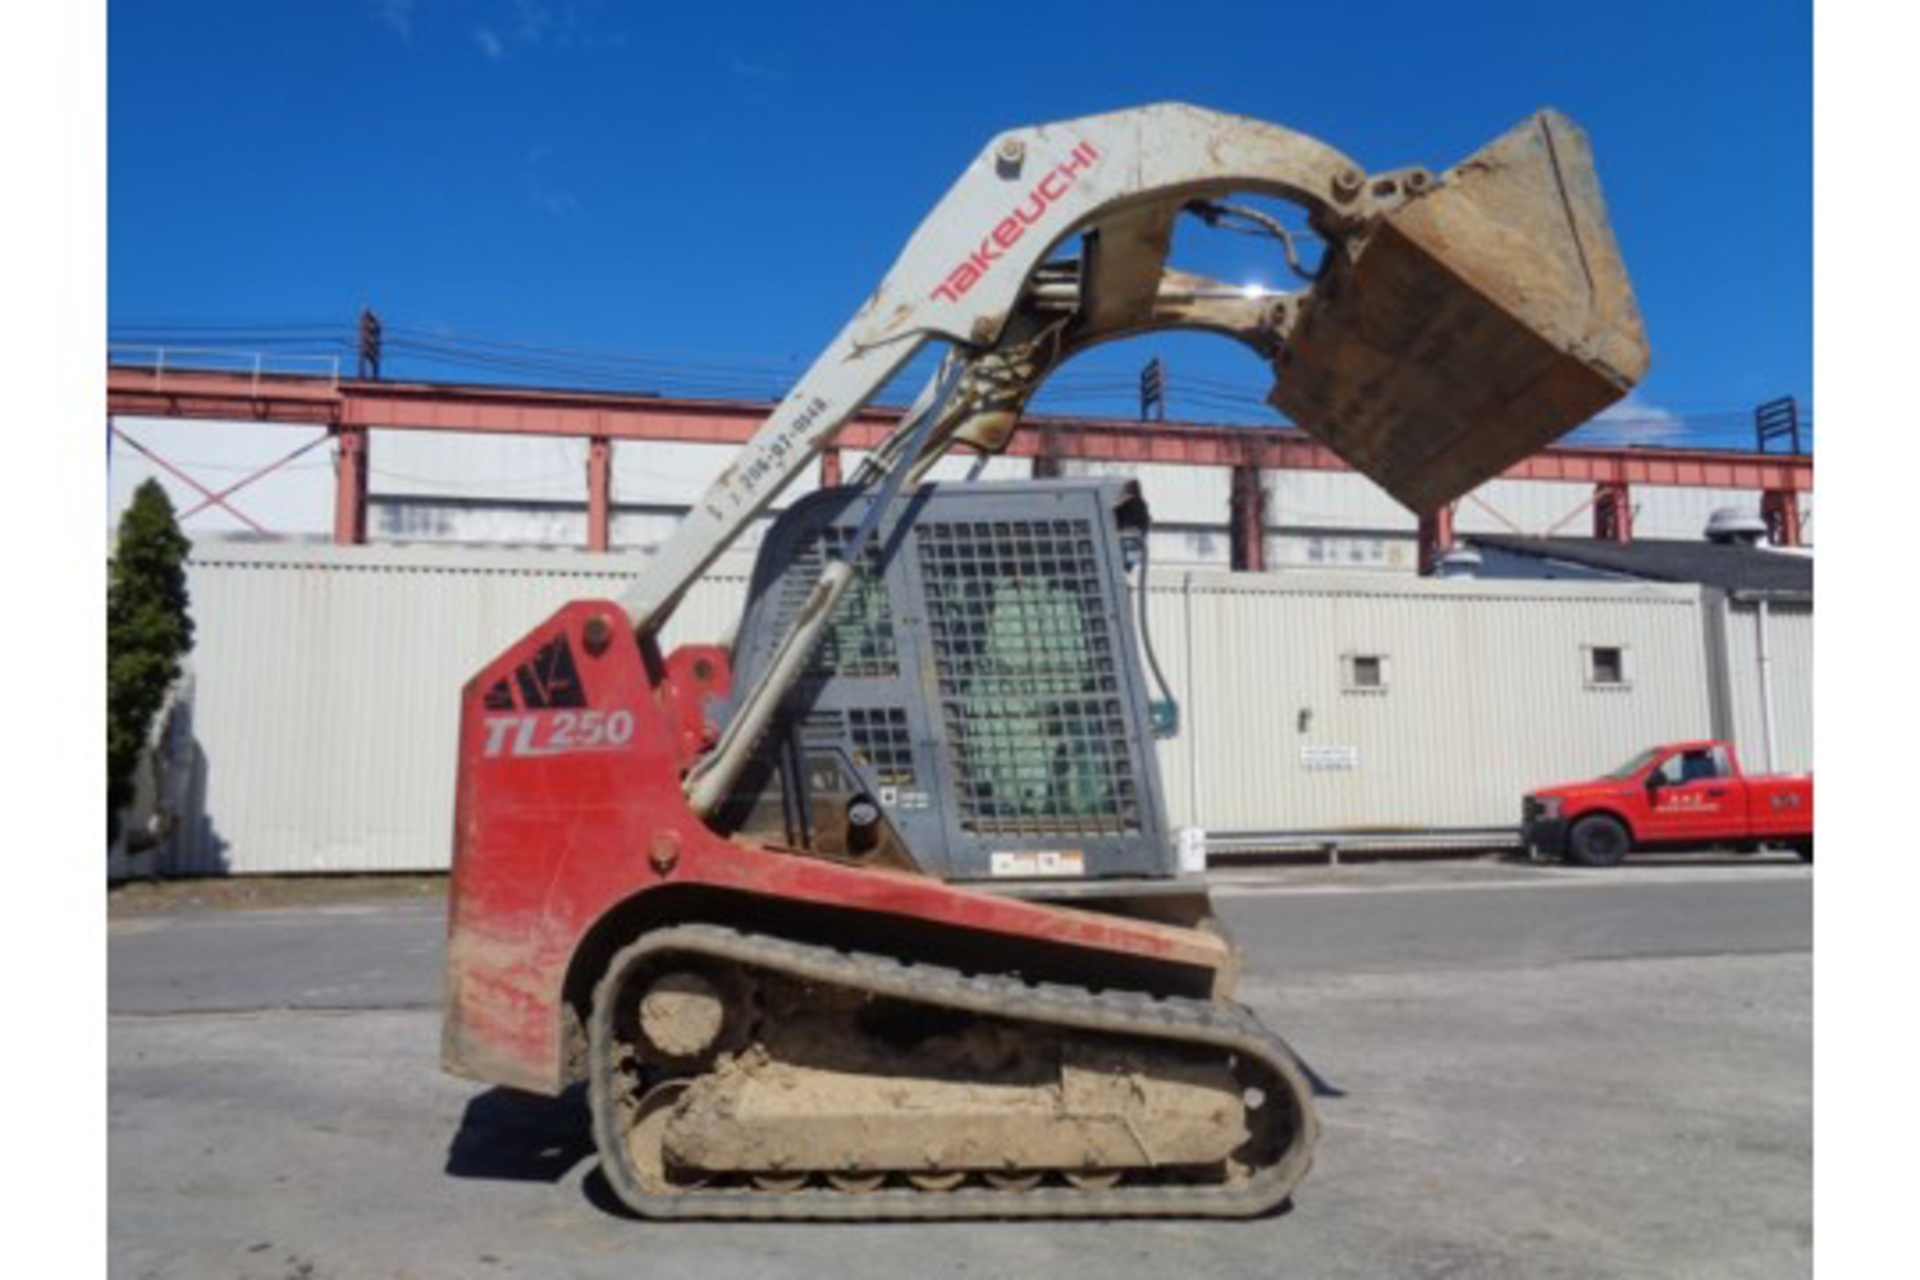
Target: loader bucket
(1478,322)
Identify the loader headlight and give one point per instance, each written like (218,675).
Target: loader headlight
(1546,806)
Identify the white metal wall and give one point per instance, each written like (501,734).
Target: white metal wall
(1344,552)
(327,692)
(1176,494)
(473,464)
(1790,663)
(1486,695)
(327,688)
(296,497)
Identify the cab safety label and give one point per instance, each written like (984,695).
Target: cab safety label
(1039,862)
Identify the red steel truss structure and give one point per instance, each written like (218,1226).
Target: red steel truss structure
(348,409)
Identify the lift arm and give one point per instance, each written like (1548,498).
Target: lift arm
(1459,321)
(965,267)
(1456,323)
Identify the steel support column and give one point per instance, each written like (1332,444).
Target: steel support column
(350,486)
(599,493)
(1780,508)
(1436,539)
(1247,519)
(1046,456)
(1613,512)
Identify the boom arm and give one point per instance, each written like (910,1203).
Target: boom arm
(1455,324)
(968,263)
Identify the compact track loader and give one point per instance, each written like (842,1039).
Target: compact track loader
(875,912)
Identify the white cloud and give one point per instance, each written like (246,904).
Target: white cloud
(530,24)
(1634,420)
(398,15)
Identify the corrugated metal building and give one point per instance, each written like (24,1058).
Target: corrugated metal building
(327,679)
(326,691)
(1325,702)
(1766,648)
(1759,615)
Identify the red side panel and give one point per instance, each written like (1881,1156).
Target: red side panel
(569,803)
(1780,808)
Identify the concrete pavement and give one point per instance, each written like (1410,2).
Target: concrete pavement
(1537,1075)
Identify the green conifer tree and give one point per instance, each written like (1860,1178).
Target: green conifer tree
(148,632)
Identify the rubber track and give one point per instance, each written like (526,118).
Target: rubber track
(1226,1027)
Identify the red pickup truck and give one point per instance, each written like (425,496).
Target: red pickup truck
(1684,795)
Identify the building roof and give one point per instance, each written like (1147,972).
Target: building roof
(1726,566)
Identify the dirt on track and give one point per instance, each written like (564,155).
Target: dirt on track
(252,893)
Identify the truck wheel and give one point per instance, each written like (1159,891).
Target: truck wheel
(1598,841)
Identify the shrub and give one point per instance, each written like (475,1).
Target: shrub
(148,632)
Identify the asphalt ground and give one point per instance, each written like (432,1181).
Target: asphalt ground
(1529,1072)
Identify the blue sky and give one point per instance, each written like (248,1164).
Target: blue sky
(702,194)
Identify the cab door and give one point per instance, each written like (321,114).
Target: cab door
(1693,798)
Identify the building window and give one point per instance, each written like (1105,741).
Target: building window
(1365,673)
(1607,667)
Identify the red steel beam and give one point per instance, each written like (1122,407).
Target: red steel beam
(1247,521)
(1780,508)
(435,406)
(1613,513)
(350,487)
(599,493)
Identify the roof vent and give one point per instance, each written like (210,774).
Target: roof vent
(1733,526)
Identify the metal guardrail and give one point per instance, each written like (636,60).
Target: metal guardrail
(189,359)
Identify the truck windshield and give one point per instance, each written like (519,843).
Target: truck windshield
(1633,766)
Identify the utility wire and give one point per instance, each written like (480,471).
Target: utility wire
(412,348)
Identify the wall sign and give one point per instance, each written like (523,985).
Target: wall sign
(1330,759)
